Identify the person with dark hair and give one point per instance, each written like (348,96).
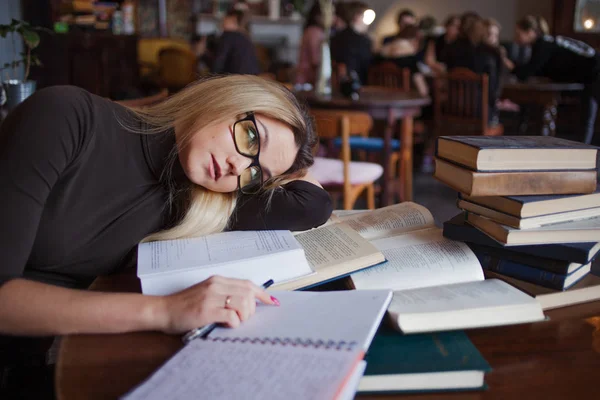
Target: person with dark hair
(309,58)
(561,59)
(470,51)
(235,52)
(352,46)
(436,46)
(404,52)
(405,18)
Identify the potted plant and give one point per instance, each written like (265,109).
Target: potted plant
(18,90)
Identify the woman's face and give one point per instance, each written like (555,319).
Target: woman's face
(212,161)
(452,30)
(524,37)
(493,35)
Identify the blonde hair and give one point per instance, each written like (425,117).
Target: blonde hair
(212,101)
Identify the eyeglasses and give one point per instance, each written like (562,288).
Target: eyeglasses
(247,143)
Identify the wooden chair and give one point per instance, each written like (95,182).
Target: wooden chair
(176,68)
(461,104)
(145,101)
(389,75)
(350,177)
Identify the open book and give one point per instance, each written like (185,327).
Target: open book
(307,348)
(293,262)
(431,267)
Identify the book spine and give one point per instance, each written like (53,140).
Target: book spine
(524,272)
(555,266)
(533,183)
(466,233)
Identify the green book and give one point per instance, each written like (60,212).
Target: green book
(424,362)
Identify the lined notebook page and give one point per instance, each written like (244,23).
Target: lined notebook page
(349,316)
(232,370)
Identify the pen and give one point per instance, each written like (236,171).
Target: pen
(206,329)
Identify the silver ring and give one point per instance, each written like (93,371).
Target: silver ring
(227,301)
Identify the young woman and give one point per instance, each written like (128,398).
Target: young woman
(561,59)
(84,180)
(309,58)
(436,47)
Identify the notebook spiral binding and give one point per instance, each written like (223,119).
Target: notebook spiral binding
(322,344)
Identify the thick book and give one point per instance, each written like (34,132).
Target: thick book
(514,183)
(491,302)
(423,362)
(535,206)
(560,267)
(307,348)
(322,254)
(424,266)
(582,252)
(587,230)
(531,222)
(531,274)
(519,153)
(584,291)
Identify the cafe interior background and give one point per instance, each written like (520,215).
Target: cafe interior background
(120,50)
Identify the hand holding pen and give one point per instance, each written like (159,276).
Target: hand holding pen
(233,305)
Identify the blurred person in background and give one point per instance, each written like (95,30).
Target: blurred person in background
(235,52)
(436,46)
(352,46)
(309,58)
(405,18)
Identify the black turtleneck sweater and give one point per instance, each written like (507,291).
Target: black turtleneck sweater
(78,191)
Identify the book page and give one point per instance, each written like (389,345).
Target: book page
(208,251)
(348,316)
(206,369)
(460,296)
(420,259)
(390,221)
(333,245)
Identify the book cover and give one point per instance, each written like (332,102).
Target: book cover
(517,142)
(458,229)
(392,353)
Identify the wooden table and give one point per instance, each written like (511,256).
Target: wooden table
(557,359)
(543,93)
(389,105)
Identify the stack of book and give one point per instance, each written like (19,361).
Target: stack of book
(531,210)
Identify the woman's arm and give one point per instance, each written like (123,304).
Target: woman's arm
(297,206)
(33,308)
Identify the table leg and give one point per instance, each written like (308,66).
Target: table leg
(406,171)
(549,118)
(387,186)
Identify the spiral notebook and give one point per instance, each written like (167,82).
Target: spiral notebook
(311,347)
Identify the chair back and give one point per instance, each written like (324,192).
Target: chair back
(461,98)
(145,101)
(177,67)
(389,75)
(332,124)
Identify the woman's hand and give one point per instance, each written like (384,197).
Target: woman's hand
(206,302)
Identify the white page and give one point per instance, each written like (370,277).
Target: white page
(345,213)
(349,316)
(585,224)
(208,251)
(460,296)
(391,220)
(420,259)
(333,245)
(205,369)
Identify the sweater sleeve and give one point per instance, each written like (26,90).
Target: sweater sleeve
(38,141)
(296,206)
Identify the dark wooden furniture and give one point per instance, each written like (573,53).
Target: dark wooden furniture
(100,62)
(556,359)
(389,105)
(542,93)
(461,104)
(387,74)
